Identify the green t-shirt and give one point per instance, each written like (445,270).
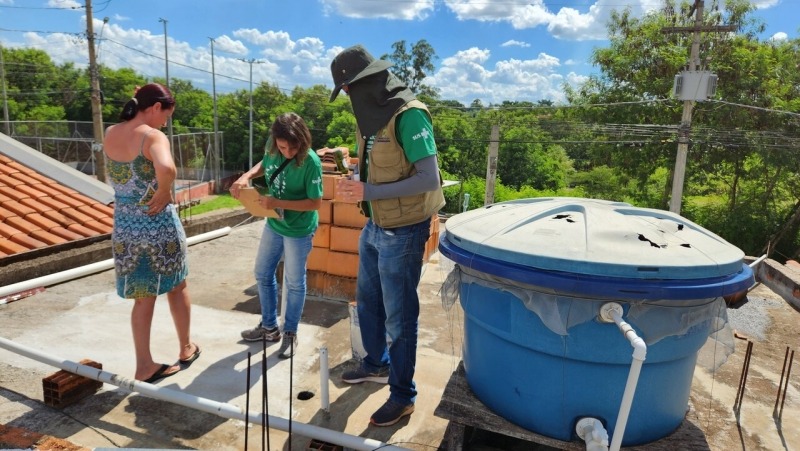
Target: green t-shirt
(294,183)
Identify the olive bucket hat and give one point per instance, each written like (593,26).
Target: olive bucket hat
(353,64)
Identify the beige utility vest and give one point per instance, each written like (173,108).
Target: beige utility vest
(387,164)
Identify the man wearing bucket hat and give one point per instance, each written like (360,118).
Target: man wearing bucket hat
(399,191)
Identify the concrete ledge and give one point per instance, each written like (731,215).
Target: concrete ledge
(781,279)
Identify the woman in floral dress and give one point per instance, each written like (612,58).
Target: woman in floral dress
(148,240)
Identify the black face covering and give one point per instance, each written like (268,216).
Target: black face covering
(375,99)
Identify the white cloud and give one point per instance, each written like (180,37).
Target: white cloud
(119,18)
(228,45)
(514,43)
(408,10)
(465,77)
(6,2)
(568,23)
(779,36)
(764,4)
(64,4)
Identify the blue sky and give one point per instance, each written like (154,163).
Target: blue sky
(492,50)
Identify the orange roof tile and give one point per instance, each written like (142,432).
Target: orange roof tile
(38,211)
(47,237)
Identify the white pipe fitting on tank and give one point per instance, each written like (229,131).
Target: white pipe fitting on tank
(612,311)
(591,431)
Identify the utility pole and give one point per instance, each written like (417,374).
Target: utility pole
(97,110)
(217,165)
(166,72)
(491,165)
(688,105)
(5,97)
(169,119)
(251,61)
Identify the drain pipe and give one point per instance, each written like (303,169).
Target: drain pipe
(81,271)
(612,312)
(224,410)
(591,431)
(324,379)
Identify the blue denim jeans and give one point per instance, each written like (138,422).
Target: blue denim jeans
(296,251)
(389,269)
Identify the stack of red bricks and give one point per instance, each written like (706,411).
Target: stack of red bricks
(333,262)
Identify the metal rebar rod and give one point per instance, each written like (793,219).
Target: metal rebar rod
(743,382)
(786,388)
(780,384)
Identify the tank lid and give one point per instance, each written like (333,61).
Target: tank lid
(593,237)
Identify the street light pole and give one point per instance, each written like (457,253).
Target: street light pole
(251,61)
(218,165)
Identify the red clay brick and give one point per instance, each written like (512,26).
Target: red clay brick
(21,224)
(41,221)
(98,227)
(7,231)
(30,191)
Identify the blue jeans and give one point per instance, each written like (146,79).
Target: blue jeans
(270,248)
(389,269)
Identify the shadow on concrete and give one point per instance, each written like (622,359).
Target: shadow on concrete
(65,422)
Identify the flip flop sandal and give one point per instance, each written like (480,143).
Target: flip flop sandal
(191,358)
(161,373)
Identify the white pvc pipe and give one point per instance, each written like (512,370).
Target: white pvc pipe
(74,273)
(613,311)
(224,410)
(591,431)
(757,261)
(323,379)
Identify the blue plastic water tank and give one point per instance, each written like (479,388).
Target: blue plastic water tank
(580,254)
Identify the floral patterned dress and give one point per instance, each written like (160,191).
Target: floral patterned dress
(149,251)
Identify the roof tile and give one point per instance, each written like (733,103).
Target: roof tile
(98,226)
(69,200)
(66,234)
(38,211)
(6,231)
(21,224)
(41,221)
(47,237)
(58,217)
(12,193)
(18,209)
(27,241)
(30,191)
(76,215)
(9,247)
(53,203)
(83,231)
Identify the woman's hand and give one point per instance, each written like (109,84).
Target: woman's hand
(267,202)
(161,198)
(237,187)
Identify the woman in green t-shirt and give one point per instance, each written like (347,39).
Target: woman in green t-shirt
(294,177)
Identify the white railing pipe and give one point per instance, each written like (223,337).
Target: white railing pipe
(612,311)
(224,410)
(81,271)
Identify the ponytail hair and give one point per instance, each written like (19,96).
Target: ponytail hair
(145,97)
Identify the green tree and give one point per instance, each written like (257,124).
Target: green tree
(413,66)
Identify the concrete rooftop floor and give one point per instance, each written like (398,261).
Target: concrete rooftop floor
(84,319)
